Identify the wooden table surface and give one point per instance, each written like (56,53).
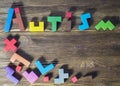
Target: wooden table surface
(99,50)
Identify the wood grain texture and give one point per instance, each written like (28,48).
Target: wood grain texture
(66,48)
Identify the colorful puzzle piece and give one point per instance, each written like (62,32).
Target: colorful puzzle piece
(18,19)
(61,78)
(84,20)
(34,28)
(104,25)
(46,79)
(68,15)
(42,69)
(74,79)
(31,77)
(54,20)
(10,45)
(10,76)
(18,68)
(20,59)
(9,20)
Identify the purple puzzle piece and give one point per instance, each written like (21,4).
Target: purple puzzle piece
(31,77)
(10,76)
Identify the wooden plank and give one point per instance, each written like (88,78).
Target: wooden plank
(74,49)
(101,48)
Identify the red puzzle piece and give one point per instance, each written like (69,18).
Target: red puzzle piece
(10,45)
(46,79)
(68,15)
(18,19)
(74,79)
(18,68)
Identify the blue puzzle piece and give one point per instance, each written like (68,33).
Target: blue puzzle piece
(10,76)
(9,20)
(42,69)
(84,20)
(61,78)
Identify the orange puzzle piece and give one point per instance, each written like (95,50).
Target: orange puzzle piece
(20,59)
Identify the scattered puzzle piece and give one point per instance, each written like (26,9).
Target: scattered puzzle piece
(18,19)
(18,68)
(74,79)
(46,79)
(84,20)
(10,76)
(9,20)
(68,15)
(34,28)
(54,20)
(10,45)
(31,77)
(61,78)
(105,26)
(20,59)
(42,69)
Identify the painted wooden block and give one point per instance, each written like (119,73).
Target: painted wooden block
(20,59)
(31,77)
(43,69)
(46,79)
(85,24)
(33,28)
(10,76)
(18,19)
(18,68)
(9,20)
(68,15)
(105,26)
(61,78)
(74,79)
(54,20)
(10,45)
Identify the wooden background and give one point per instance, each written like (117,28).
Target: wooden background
(100,50)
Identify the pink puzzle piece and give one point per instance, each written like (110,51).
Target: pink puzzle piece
(74,79)
(68,15)
(46,79)
(18,68)
(31,77)
(10,45)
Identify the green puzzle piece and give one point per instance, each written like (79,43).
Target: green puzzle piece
(54,20)
(104,25)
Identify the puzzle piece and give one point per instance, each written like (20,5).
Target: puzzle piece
(104,25)
(68,15)
(10,45)
(10,76)
(31,77)
(20,59)
(18,68)
(84,20)
(54,20)
(43,69)
(9,20)
(74,79)
(46,79)
(18,19)
(61,78)
(34,28)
